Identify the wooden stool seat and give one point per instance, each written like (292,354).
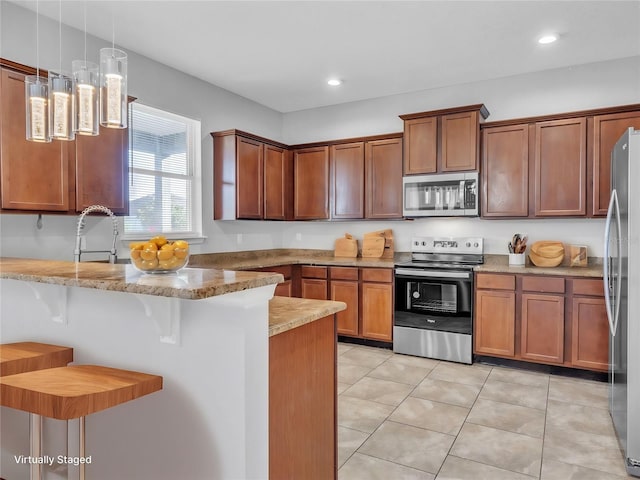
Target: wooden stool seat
(29,356)
(75,391)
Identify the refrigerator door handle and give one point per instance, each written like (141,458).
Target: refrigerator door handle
(618,283)
(606,270)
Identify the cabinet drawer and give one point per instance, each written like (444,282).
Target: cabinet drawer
(590,286)
(285,270)
(495,282)
(533,283)
(314,272)
(384,275)
(343,273)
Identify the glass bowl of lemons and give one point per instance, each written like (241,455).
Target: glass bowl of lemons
(159,255)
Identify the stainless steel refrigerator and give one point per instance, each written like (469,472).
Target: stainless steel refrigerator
(622,295)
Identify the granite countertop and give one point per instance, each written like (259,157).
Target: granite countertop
(270,258)
(288,313)
(500,264)
(188,283)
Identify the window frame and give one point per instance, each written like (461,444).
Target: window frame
(194,156)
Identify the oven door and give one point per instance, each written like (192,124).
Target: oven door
(439,300)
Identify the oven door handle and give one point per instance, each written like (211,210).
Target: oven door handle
(431,273)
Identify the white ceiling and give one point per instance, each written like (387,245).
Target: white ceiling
(281,54)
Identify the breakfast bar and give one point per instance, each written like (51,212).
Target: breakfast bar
(205,331)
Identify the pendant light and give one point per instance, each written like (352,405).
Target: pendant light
(113,85)
(37,98)
(60,96)
(86,93)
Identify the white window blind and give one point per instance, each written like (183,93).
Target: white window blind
(164,175)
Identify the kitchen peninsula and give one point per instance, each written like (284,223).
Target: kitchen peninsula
(206,331)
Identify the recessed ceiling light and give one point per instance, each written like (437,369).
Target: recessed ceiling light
(547,39)
(334,82)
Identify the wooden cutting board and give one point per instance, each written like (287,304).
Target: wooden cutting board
(373,247)
(346,247)
(388,241)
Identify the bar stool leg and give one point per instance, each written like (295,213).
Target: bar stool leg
(35,448)
(82,443)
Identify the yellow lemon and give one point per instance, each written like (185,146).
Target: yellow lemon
(159,240)
(148,254)
(149,264)
(180,253)
(136,245)
(135,254)
(150,246)
(164,254)
(181,244)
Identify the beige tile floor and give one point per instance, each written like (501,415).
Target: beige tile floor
(404,417)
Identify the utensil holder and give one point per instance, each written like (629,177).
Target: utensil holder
(516,259)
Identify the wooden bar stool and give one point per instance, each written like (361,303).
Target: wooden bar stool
(66,393)
(28,356)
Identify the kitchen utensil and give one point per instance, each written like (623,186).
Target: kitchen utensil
(548,248)
(388,241)
(346,247)
(373,247)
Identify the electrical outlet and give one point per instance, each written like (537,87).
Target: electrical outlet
(239,238)
(298,237)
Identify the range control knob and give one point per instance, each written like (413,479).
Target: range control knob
(415,294)
(416,243)
(475,244)
(424,244)
(468,244)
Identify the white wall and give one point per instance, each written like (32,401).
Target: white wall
(576,88)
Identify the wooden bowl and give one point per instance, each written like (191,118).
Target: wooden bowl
(548,249)
(539,261)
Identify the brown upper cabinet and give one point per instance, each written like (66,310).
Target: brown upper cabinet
(252,177)
(505,171)
(311,183)
(442,140)
(61,176)
(607,129)
(551,166)
(365,178)
(560,168)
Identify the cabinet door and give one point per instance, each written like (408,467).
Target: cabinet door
(607,131)
(311,183)
(278,183)
(560,173)
(347,180)
(384,178)
(420,145)
(102,170)
(505,171)
(284,289)
(249,190)
(347,292)
(314,288)
(495,320)
(589,334)
(377,311)
(542,336)
(459,142)
(34,176)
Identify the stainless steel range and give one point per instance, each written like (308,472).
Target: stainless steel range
(434,298)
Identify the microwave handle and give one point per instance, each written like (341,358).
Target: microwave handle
(431,273)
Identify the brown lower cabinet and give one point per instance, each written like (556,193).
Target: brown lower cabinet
(368,293)
(303,402)
(544,319)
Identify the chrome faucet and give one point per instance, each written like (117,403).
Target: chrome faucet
(78,251)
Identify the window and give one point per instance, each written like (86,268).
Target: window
(164,175)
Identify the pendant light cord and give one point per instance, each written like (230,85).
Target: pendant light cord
(85,31)
(60,35)
(37,39)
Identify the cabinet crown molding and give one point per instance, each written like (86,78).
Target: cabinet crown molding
(448,111)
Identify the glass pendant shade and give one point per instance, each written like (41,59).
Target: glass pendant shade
(61,106)
(113,88)
(86,97)
(37,108)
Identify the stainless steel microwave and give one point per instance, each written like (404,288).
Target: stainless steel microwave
(441,195)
